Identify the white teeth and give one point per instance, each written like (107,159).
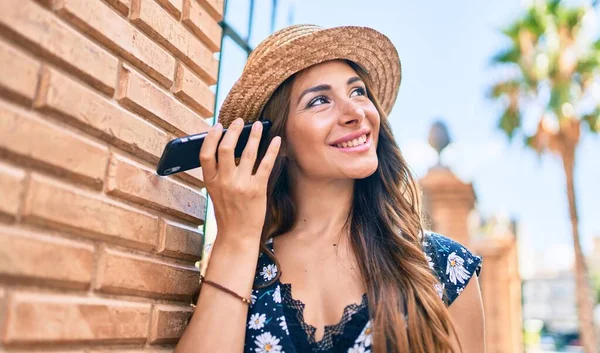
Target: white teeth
(353,143)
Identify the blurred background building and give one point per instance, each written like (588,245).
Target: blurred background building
(450,206)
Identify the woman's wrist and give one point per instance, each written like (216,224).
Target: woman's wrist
(233,264)
(238,241)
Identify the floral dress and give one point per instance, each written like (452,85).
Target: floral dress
(275,322)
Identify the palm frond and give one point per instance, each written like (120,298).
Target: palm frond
(509,55)
(512,31)
(535,22)
(571,18)
(589,64)
(596,44)
(503,88)
(553,7)
(510,122)
(593,121)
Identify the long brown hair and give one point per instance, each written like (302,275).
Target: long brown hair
(386,231)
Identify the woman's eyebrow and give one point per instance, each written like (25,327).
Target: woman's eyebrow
(318,88)
(321,88)
(351,80)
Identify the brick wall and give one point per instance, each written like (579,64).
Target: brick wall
(98,253)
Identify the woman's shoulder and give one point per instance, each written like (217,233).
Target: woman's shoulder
(452,262)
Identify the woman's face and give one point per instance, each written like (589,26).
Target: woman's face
(333,127)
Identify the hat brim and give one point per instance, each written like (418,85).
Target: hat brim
(296,48)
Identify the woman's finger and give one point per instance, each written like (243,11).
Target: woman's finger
(227,146)
(251,150)
(208,152)
(268,161)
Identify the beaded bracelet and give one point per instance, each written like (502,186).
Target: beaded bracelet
(226,290)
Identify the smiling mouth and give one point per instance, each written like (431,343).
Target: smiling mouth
(353,143)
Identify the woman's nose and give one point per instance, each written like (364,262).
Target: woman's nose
(352,113)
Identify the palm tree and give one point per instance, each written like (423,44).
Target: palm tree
(553,75)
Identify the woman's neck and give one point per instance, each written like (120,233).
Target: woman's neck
(322,206)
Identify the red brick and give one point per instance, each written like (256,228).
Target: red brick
(122,273)
(155,21)
(199,21)
(99,116)
(61,319)
(30,256)
(18,73)
(173,6)
(195,93)
(214,7)
(102,23)
(134,182)
(54,147)
(168,323)
(192,176)
(45,3)
(63,206)
(180,241)
(146,99)
(121,5)
(11,189)
(41,31)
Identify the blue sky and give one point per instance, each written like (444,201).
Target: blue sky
(445,49)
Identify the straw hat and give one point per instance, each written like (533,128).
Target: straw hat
(298,47)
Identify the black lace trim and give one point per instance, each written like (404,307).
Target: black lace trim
(331,331)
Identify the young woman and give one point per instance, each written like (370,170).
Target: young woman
(320,244)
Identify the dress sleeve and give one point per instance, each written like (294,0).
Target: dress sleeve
(453,264)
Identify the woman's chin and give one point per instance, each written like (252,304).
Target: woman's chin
(362,171)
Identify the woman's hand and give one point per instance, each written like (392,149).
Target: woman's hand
(238,196)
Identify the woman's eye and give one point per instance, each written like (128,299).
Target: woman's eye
(318,101)
(360,90)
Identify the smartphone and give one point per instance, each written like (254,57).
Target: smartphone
(183,153)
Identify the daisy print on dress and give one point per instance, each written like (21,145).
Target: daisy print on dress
(431,264)
(277,295)
(366,336)
(358,349)
(257,321)
(269,272)
(267,343)
(439,289)
(363,341)
(455,268)
(283,325)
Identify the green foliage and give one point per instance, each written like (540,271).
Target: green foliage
(534,21)
(593,121)
(509,55)
(547,52)
(504,88)
(510,122)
